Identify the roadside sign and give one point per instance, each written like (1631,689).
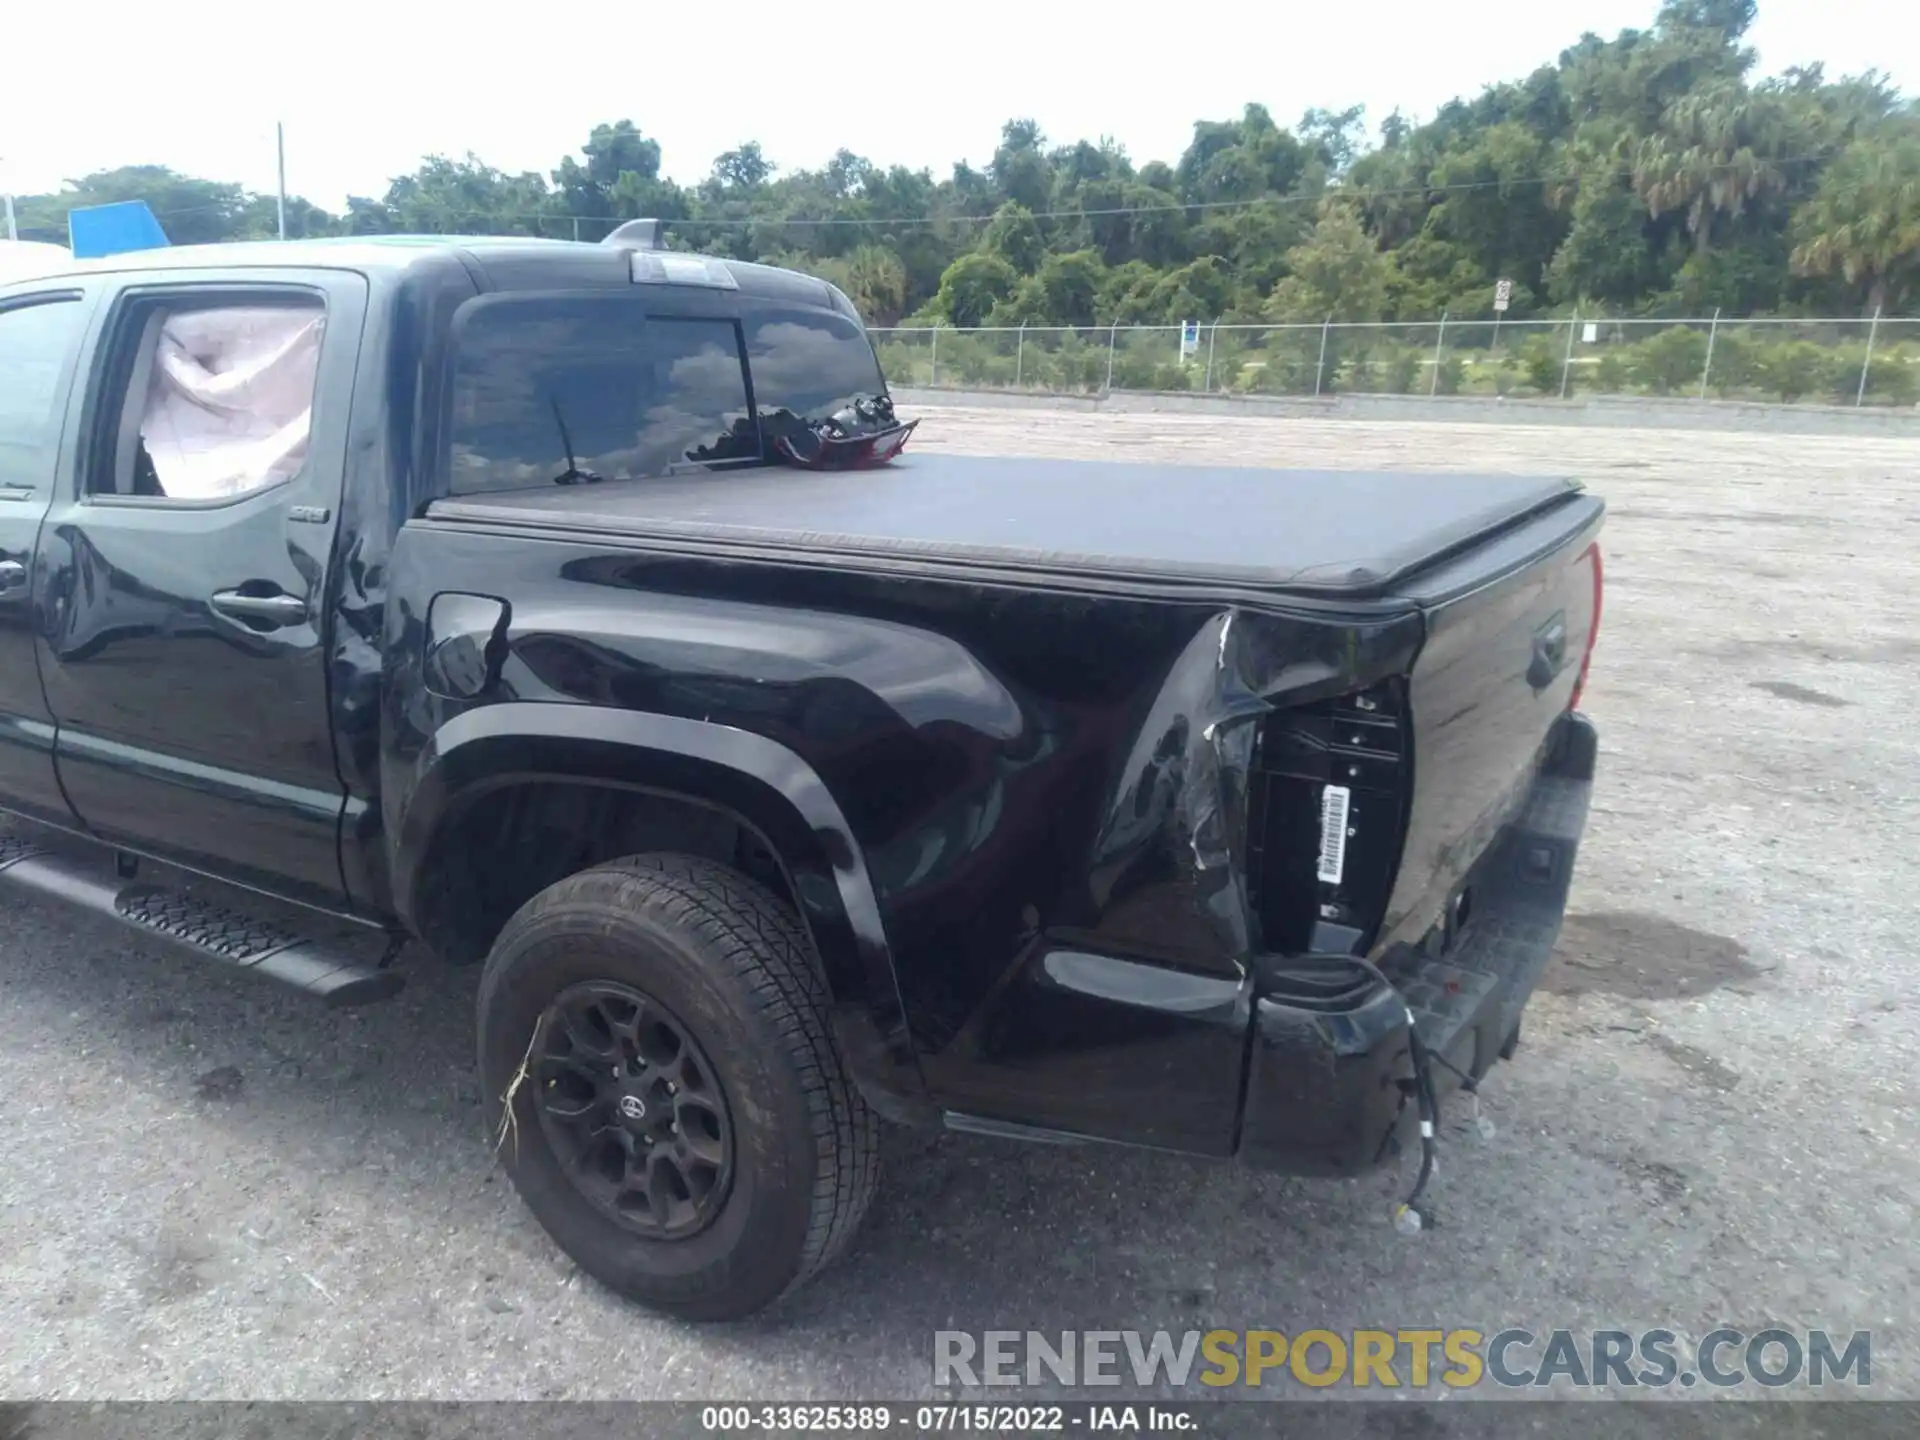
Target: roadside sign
(1502,293)
(1189,338)
(1590,333)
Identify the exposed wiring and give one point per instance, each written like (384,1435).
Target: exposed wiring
(1468,1084)
(1408,1217)
(509,1122)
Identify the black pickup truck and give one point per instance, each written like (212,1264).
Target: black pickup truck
(504,595)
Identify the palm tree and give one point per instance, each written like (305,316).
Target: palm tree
(1864,221)
(1716,151)
(1596,154)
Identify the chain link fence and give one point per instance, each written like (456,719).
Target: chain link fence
(1822,362)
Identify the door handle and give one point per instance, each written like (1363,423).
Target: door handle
(12,575)
(272,610)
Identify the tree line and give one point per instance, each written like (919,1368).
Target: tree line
(1645,175)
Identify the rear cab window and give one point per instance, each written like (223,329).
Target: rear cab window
(807,363)
(579,388)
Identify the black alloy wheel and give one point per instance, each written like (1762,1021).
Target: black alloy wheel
(661,1083)
(631,1107)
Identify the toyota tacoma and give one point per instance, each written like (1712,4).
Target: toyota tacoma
(584,613)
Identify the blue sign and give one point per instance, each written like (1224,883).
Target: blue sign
(98,230)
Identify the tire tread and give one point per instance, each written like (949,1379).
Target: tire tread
(744,925)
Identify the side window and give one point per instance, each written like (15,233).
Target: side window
(214,400)
(37,344)
(553,390)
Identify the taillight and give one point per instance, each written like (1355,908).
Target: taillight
(1327,813)
(1593,629)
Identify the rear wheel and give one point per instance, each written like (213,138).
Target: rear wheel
(661,1081)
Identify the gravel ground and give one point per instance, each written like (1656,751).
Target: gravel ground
(1711,1121)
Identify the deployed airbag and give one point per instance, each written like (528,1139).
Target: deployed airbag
(230,402)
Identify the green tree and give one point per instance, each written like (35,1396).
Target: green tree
(1127,297)
(1020,170)
(260,220)
(190,210)
(1134,220)
(1432,275)
(1675,359)
(1494,208)
(1015,237)
(972,286)
(1336,271)
(742,169)
(1235,160)
(1863,223)
(1647,174)
(617,177)
(1716,152)
(1069,287)
(1335,137)
(871,276)
(1608,254)
(1202,290)
(1254,240)
(468,197)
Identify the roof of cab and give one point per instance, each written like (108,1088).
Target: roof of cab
(509,262)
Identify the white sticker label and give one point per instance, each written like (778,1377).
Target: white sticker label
(1333,833)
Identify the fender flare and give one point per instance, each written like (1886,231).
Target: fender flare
(757,781)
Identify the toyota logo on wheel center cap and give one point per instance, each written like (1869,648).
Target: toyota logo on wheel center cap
(633,1107)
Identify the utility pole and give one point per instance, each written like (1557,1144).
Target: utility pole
(12,232)
(280,146)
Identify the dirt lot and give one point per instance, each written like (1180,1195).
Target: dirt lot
(1711,1121)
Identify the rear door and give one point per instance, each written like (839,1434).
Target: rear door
(185,576)
(40,335)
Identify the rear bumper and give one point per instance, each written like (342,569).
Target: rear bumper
(1326,1082)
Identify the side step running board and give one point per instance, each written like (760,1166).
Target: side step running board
(209,930)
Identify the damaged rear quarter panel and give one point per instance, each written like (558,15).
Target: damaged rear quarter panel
(1047,786)
(1124,1011)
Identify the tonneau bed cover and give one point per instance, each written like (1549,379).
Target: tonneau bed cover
(1337,533)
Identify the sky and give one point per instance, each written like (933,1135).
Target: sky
(365,88)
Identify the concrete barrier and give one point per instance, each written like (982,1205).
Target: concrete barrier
(1623,412)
